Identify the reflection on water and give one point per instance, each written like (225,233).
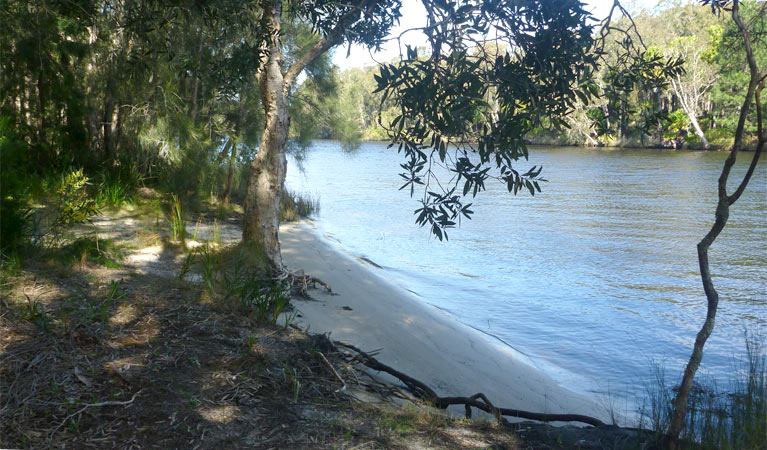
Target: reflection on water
(596,277)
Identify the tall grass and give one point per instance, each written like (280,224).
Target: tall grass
(734,418)
(176,219)
(115,189)
(294,206)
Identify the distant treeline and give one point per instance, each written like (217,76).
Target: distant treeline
(698,109)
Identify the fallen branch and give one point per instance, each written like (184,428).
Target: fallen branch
(479,400)
(93,405)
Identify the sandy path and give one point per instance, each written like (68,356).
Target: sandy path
(414,337)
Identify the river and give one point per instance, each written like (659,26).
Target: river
(595,279)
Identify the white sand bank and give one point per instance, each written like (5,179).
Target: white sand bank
(416,338)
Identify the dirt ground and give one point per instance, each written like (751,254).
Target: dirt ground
(112,349)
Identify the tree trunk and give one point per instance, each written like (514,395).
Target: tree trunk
(267,171)
(196,87)
(690,108)
(230,174)
(697,130)
(42,150)
(107,117)
(755,86)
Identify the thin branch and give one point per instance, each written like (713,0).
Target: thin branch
(96,405)
(335,37)
(759,147)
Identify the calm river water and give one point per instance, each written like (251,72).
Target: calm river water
(596,279)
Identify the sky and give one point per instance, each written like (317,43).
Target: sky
(413,16)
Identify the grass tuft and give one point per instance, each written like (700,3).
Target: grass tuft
(294,206)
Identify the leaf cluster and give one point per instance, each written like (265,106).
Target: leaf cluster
(466,106)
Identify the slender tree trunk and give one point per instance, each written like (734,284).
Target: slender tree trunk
(267,170)
(755,86)
(230,174)
(107,117)
(690,108)
(42,150)
(196,87)
(698,132)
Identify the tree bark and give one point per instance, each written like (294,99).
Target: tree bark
(230,174)
(267,170)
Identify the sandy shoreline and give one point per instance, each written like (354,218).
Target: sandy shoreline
(414,337)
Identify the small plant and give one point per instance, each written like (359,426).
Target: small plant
(216,233)
(233,282)
(92,310)
(73,204)
(177,224)
(209,263)
(196,230)
(239,287)
(10,264)
(279,298)
(34,312)
(104,252)
(186,266)
(289,318)
(103,308)
(291,376)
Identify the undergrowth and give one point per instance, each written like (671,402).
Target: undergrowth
(176,219)
(233,282)
(103,252)
(116,189)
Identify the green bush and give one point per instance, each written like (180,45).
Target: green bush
(104,252)
(72,203)
(719,137)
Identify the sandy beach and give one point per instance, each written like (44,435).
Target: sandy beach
(416,338)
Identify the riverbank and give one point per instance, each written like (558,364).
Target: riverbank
(368,311)
(104,343)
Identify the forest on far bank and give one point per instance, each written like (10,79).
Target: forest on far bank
(700,106)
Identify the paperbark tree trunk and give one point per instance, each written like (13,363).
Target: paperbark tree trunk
(229,175)
(267,170)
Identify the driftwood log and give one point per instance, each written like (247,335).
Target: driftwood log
(479,400)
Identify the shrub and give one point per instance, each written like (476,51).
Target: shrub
(72,204)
